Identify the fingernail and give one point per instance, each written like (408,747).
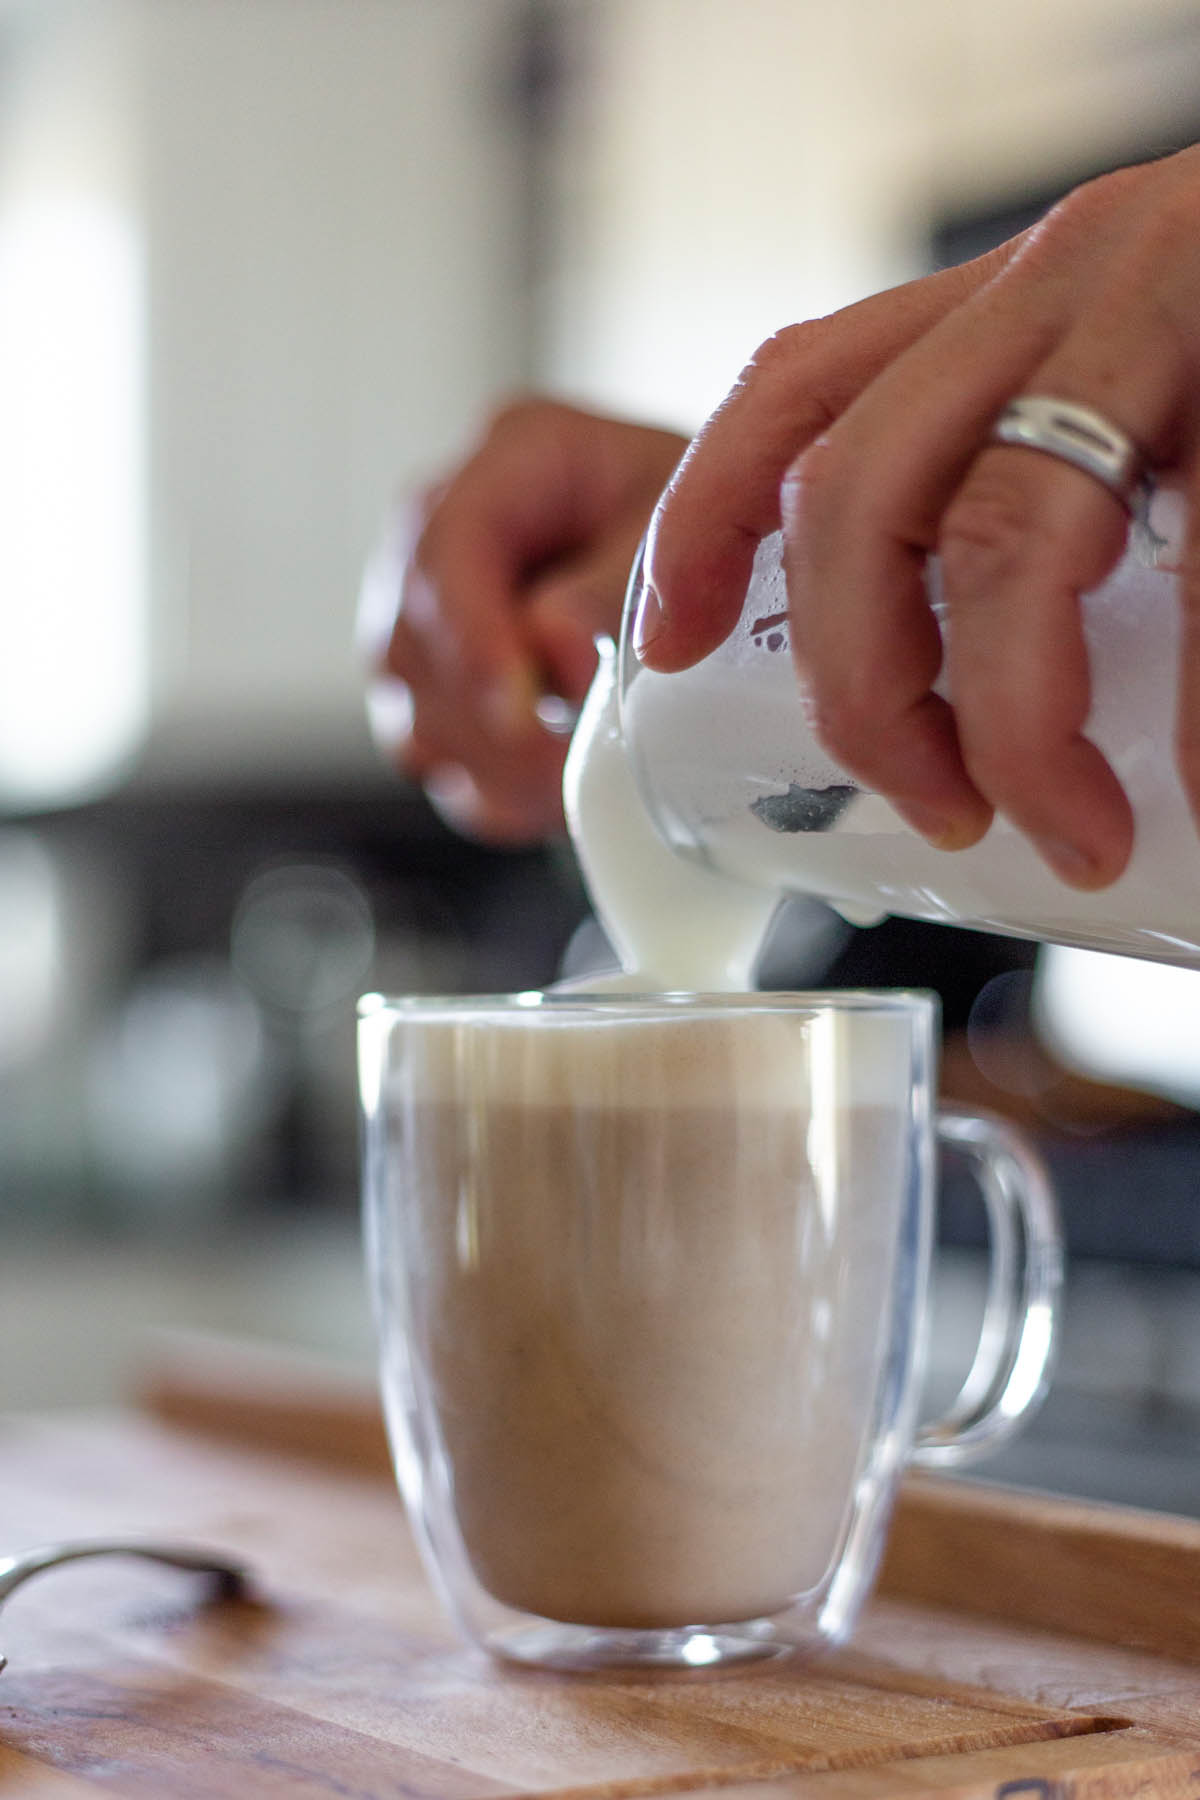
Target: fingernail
(649,622)
(942,831)
(1076,866)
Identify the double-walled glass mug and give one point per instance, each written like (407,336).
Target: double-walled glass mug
(650,1281)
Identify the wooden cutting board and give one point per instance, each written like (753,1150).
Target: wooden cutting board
(340,1676)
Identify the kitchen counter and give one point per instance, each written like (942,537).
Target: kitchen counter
(1017,1644)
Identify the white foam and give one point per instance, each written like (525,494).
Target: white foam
(776,1056)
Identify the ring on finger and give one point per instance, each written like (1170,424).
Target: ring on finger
(1081,436)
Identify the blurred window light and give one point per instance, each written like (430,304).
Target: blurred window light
(1119,1019)
(74,667)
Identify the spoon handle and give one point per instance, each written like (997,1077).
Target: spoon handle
(17,1569)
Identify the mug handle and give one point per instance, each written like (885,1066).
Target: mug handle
(1011,1371)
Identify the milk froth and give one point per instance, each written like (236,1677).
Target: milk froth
(759,1061)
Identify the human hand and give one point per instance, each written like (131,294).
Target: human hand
(489,597)
(866,436)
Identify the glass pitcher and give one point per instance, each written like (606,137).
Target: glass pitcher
(731,775)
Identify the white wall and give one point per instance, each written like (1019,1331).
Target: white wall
(321,196)
(737,167)
(324,206)
(330,189)
(74,687)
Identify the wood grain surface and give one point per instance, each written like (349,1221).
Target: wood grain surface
(339,1675)
(1111,1573)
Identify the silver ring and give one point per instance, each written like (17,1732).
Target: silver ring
(1081,436)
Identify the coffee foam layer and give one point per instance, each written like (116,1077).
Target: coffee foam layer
(759,1060)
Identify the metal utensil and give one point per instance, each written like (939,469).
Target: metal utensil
(231,1576)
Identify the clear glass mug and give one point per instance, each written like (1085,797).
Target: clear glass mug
(650,1282)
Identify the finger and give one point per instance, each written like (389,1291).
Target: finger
(485,779)
(404,705)
(418,723)
(509,796)
(580,600)
(521,789)
(405,656)
(866,508)
(1025,537)
(1015,550)
(549,481)
(460,603)
(391,719)
(398,675)
(467,573)
(475,809)
(725,495)
(861,510)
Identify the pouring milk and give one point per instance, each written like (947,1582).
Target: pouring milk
(695,801)
(675,924)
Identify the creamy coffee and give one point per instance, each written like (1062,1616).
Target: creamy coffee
(655,1271)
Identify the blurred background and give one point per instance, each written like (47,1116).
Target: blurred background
(263,265)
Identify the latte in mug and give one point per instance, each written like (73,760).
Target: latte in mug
(656,1266)
(649,1273)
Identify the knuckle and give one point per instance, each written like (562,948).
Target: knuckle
(526,419)
(1156,235)
(1087,210)
(1009,753)
(678,563)
(514,413)
(999,766)
(790,345)
(811,479)
(792,367)
(845,721)
(987,533)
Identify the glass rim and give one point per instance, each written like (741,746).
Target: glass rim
(543,1002)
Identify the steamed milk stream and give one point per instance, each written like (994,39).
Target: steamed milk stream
(676,925)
